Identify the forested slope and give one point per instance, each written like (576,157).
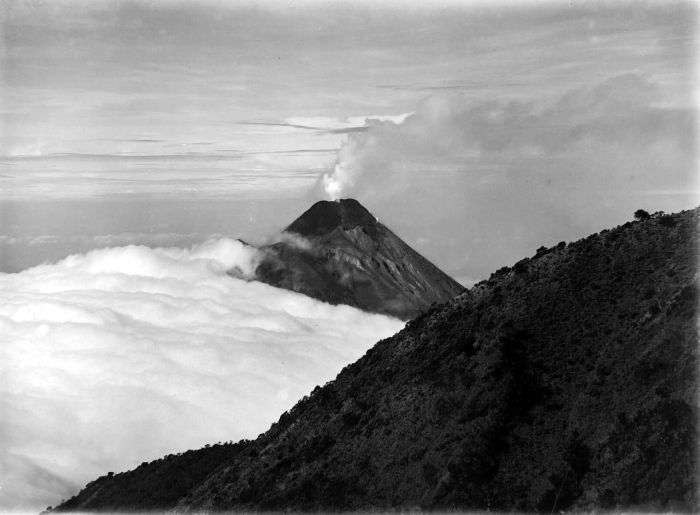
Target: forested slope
(566,381)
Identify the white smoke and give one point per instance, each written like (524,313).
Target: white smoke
(123,355)
(361,152)
(510,175)
(345,171)
(339,180)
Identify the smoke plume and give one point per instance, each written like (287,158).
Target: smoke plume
(511,175)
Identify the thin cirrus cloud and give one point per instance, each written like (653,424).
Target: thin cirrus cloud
(186,71)
(325,125)
(215,173)
(129,353)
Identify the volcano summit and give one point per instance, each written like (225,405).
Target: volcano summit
(338,252)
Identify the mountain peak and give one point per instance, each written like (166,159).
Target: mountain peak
(325,215)
(351,258)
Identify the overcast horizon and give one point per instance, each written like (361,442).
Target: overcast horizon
(527,122)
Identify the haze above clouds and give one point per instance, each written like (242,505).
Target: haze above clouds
(123,355)
(551,120)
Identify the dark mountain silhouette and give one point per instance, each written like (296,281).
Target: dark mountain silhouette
(338,252)
(565,382)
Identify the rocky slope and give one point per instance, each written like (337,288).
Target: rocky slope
(338,252)
(565,382)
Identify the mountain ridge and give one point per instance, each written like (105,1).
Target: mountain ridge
(567,381)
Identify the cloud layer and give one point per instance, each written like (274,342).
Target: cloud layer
(619,116)
(528,170)
(126,354)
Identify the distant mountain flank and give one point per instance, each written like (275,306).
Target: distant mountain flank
(338,252)
(565,382)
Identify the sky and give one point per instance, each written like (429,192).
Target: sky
(527,123)
(142,137)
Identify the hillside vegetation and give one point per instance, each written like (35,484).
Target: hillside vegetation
(565,382)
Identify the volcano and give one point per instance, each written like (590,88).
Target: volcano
(338,252)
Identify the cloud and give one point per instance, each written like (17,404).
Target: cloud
(22,251)
(619,112)
(126,354)
(328,124)
(294,240)
(224,175)
(510,175)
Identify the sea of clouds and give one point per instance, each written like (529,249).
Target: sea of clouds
(125,354)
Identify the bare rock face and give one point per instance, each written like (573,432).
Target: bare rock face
(567,382)
(338,252)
